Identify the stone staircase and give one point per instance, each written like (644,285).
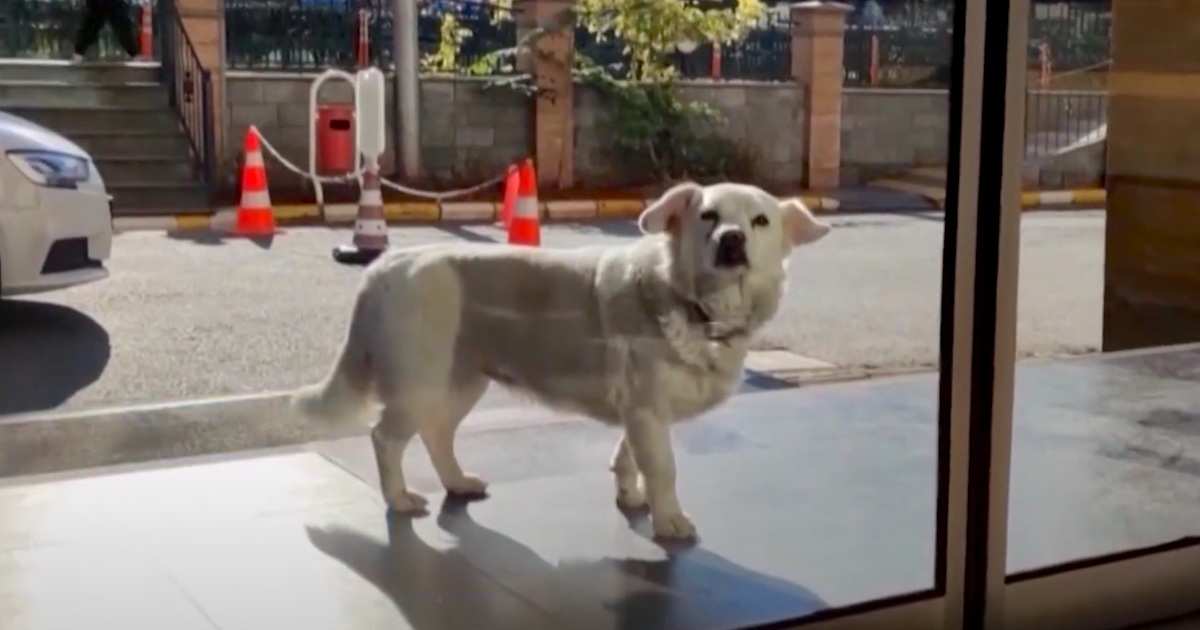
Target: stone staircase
(119,113)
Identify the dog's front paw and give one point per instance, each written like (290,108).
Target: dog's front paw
(467,486)
(405,502)
(673,526)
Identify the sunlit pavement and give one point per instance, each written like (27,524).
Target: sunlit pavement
(185,317)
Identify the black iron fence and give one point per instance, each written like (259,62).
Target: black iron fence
(1061,121)
(889,43)
(1077,35)
(189,87)
(457,36)
(318,34)
(46,29)
(907,44)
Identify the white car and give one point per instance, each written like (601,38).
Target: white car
(56,227)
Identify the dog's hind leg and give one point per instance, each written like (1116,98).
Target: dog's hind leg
(397,426)
(438,436)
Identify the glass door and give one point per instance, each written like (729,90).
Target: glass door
(915,454)
(1092,491)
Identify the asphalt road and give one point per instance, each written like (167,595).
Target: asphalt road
(186,317)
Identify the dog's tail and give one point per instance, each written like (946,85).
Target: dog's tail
(345,394)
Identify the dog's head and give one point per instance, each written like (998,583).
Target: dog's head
(731,229)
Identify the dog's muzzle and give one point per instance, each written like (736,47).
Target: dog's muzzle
(731,250)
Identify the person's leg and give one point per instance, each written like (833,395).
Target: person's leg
(89,27)
(120,17)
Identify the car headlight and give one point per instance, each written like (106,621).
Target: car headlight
(50,168)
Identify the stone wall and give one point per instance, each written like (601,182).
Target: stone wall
(469,133)
(887,131)
(764,120)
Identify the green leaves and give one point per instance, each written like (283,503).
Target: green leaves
(654,132)
(444,59)
(652,29)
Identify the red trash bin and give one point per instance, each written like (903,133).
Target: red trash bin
(335,139)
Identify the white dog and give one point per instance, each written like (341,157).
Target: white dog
(638,336)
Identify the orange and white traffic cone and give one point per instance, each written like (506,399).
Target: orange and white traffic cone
(370,228)
(525,228)
(146,32)
(254,215)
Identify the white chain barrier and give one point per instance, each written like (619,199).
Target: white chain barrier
(370,133)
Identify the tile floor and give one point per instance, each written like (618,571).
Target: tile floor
(805,499)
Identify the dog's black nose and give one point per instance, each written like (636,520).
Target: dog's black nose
(731,249)
(735,239)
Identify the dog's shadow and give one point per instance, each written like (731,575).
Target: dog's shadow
(470,583)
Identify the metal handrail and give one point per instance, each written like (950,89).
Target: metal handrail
(189,88)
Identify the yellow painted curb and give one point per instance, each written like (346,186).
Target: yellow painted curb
(568,210)
(460,211)
(411,212)
(295,212)
(449,212)
(193,222)
(619,208)
(1081,197)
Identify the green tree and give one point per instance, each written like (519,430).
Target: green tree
(653,130)
(652,29)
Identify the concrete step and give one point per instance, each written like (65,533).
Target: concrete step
(72,120)
(145,168)
(102,142)
(87,72)
(79,94)
(141,199)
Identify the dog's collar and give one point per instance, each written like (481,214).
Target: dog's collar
(697,315)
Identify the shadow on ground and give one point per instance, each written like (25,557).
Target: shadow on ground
(690,588)
(50,352)
(218,237)
(199,237)
(465,232)
(610,227)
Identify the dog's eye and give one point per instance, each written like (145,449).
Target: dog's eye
(709,215)
(760,221)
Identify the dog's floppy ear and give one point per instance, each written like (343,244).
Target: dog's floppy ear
(661,214)
(799,225)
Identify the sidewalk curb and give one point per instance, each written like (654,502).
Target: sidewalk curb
(1033,200)
(417,212)
(53,442)
(1083,198)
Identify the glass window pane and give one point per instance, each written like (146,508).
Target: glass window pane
(1105,429)
(754,376)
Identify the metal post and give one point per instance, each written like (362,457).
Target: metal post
(407,86)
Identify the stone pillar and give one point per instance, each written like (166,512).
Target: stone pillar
(549,62)
(204,21)
(817,50)
(1152,233)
